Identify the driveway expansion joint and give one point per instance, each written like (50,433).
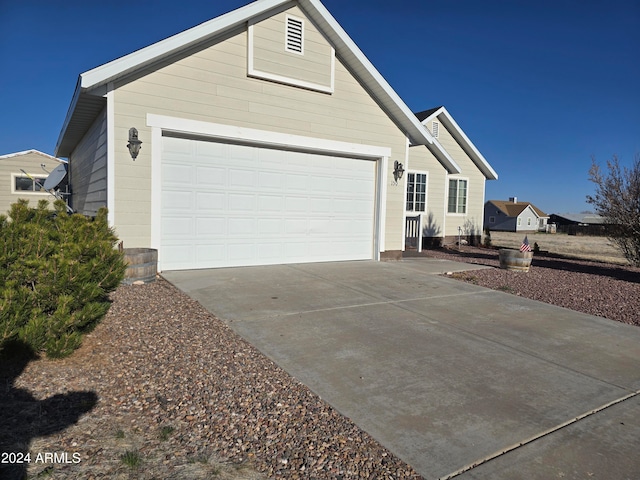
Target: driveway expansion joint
(540,435)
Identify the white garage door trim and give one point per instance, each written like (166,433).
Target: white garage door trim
(160,124)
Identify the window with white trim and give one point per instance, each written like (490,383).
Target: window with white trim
(294,41)
(435,129)
(416,192)
(457,201)
(22,183)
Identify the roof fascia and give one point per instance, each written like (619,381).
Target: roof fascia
(460,136)
(27,152)
(67,120)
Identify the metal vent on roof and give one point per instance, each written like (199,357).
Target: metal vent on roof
(295,29)
(435,129)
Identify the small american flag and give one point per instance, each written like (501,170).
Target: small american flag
(525,247)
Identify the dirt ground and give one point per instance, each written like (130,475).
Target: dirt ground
(587,247)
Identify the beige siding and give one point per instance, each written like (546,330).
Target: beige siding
(212,85)
(270,55)
(88,169)
(471,222)
(10,168)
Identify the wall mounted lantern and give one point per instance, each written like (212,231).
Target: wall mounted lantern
(134,144)
(398,170)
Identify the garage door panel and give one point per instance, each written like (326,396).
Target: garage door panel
(242,227)
(211,177)
(210,202)
(235,205)
(177,226)
(242,179)
(211,253)
(295,226)
(269,226)
(211,227)
(177,200)
(241,202)
(270,203)
(322,205)
(269,252)
(296,204)
(181,174)
(178,254)
(270,181)
(296,183)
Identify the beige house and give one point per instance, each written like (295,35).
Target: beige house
(21,176)
(266,137)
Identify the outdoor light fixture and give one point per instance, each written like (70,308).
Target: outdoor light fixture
(398,170)
(134,144)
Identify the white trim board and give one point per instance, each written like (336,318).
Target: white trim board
(264,137)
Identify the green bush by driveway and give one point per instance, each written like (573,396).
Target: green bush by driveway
(56,272)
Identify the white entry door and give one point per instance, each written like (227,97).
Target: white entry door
(226,205)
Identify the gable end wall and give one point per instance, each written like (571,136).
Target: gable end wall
(213,85)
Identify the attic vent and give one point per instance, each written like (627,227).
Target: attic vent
(295,29)
(435,129)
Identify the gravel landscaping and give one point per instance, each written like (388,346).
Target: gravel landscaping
(163,389)
(179,396)
(602,289)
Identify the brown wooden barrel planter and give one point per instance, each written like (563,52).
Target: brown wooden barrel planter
(515,259)
(142,265)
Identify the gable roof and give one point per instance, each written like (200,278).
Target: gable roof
(469,148)
(88,99)
(513,209)
(27,152)
(586,218)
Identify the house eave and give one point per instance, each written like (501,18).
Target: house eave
(27,152)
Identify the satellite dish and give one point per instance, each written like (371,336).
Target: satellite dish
(55,177)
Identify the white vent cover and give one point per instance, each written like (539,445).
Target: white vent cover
(295,37)
(435,129)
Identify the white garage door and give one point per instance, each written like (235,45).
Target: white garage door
(235,205)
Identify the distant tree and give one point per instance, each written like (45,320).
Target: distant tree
(617,200)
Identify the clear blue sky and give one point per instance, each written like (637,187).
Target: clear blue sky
(539,87)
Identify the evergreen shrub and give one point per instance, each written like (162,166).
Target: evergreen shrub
(56,273)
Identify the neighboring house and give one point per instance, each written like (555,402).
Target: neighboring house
(579,223)
(447,203)
(514,216)
(267,137)
(20,174)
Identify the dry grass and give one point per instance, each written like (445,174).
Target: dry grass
(584,247)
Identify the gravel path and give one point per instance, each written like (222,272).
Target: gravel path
(602,289)
(182,394)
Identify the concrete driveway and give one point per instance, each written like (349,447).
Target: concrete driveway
(455,379)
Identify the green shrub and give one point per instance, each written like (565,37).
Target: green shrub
(56,271)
